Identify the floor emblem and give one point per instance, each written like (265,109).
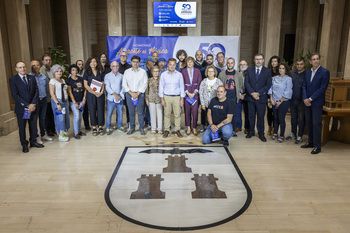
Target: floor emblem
(177,188)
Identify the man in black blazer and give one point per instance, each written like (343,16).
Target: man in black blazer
(314,89)
(24,90)
(257,83)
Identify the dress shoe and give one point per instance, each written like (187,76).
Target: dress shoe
(177,133)
(316,151)
(87,127)
(307,145)
(234,134)
(25,149)
(262,138)
(249,135)
(246,131)
(166,133)
(238,129)
(37,145)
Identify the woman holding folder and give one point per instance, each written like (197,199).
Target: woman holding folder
(94,84)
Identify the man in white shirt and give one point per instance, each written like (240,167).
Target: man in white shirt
(135,84)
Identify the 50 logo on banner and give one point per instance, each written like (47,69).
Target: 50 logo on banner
(208,48)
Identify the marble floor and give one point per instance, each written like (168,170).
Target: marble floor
(61,188)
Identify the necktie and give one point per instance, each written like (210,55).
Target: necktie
(257,73)
(25,81)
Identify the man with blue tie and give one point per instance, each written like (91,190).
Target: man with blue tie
(24,90)
(257,83)
(314,89)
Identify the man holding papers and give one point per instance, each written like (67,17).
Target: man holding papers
(134,84)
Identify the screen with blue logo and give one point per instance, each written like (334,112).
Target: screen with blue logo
(174,14)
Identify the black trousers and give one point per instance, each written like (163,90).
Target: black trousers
(270,117)
(246,114)
(33,129)
(313,115)
(256,109)
(86,116)
(297,112)
(234,117)
(96,109)
(49,120)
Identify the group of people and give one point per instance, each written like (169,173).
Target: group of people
(161,87)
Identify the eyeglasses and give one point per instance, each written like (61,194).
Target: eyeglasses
(315,59)
(123,55)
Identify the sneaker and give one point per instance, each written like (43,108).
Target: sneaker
(121,129)
(142,132)
(234,134)
(63,137)
(46,138)
(131,131)
(299,140)
(115,127)
(225,143)
(109,131)
(291,137)
(201,129)
(77,136)
(38,140)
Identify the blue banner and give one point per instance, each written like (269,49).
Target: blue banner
(167,46)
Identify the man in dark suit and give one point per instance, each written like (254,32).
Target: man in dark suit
(314,89)
(24,90)
(257,83)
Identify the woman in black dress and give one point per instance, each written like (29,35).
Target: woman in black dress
(95,98)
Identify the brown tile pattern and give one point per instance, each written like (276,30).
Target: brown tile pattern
(206,187)
(177,164)
(149,188)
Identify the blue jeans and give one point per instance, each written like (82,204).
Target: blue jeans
(140,110)
(225,130)
(77,116)
(239,115)
(110,108)
(61,121)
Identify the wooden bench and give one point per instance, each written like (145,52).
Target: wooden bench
(335,125)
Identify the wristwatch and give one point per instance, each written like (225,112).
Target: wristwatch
(58,103)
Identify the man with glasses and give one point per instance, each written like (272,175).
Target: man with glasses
(314,89)
(135,82)
(257,83)
(243,66)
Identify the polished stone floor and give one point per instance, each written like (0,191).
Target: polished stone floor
(61,188)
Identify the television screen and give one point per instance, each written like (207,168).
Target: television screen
(174,14)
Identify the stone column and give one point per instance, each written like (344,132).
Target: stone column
(270,28)
(307,26)
(115,18)
(152,31)
(331,33)
(77,31)
(233,20)
(16,19)
(196,31)
(8,121)
(40,27)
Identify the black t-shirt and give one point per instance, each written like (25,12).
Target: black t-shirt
(219,110)
(77,87)
(230,85)
(123,68)
(89,77)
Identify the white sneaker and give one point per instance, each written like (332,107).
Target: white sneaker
(63,137)
(46,138)
(38,140)
(121,129)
